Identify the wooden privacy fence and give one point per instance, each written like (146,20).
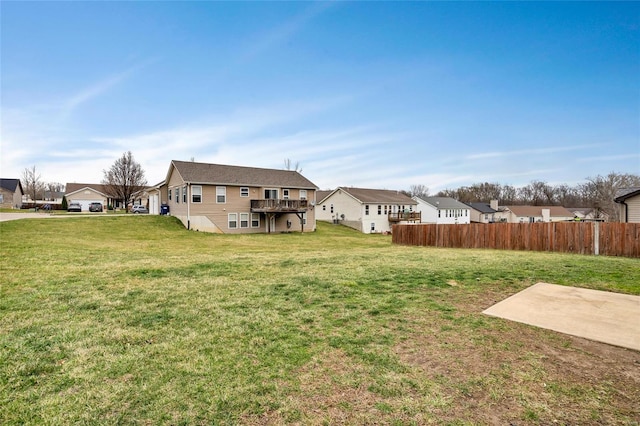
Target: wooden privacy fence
(609,239)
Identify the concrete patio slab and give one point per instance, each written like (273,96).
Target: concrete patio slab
(602,316)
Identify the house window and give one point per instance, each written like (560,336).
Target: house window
(184,194)
(324,208)
(386,209)
(303,194)
(366,210)
(177,195)
(271,194)
(244,191)
(439,211)
(373,226)
(169,192)
(244,220)
(331,208)
(379,209)
(255,220)
(196,194)
(233,220)
(221,194)
(285,194)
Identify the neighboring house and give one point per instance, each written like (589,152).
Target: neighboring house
(483,212)
(589,214)
(156,194)
(52,197)
(629,201)
(87,193)
(367,210)
(234,199)
(11,193)
(443,210)
(531,214)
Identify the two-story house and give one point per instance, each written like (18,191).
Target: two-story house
(235,199)
(367,210)
(443,210)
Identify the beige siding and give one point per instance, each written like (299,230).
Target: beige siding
(11,199)
(633,209)
(210,216)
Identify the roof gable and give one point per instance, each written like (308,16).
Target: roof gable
(218,174)
(72,188)
(377,196)
(11,184)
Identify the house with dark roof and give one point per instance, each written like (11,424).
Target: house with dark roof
(236,199)
(443,210)
(11,193)
(367,210)
(483,212)
(629,202)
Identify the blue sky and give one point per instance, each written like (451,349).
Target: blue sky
(368,94)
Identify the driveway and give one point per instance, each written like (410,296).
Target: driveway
(602,316)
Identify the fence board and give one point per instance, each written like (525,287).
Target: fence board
(615,239)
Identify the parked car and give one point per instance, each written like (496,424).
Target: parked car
(74,207)
(95,207)
(139,209)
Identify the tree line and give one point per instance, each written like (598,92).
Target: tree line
(596,192)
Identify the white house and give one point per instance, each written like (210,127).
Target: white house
(443,210)
(367,210)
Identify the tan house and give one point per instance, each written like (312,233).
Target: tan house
(11,193)
(234,199)
(629,201)
(87,193)
(367,210)
(531,214)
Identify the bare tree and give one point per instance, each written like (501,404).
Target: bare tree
(124,178)
(32,183)
(418,190)
(601,190)
(289,166)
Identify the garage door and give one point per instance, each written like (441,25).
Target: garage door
(86,203)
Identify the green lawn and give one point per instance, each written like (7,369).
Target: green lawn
(134,320)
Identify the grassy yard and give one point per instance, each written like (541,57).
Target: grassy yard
(134,320)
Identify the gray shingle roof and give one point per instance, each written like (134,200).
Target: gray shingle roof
(624,193)
(444,202)
(218,174)
(10,184)
(378,196)
(481,207)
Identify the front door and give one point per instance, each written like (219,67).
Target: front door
(272,223)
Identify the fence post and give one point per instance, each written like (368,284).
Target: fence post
(596,238)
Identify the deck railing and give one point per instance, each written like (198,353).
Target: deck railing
(405,217)
(278,205)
